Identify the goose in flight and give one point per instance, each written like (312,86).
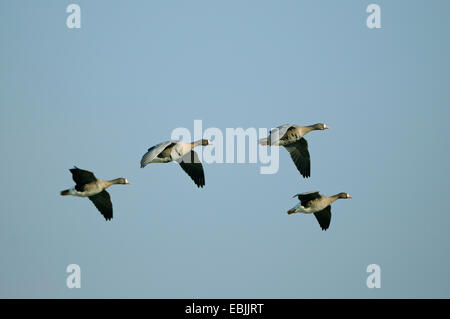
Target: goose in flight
(87,185)
(180,152)
(317,204)
(291,137)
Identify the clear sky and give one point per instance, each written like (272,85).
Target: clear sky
(98,97)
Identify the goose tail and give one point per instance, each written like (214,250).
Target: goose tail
(264,141)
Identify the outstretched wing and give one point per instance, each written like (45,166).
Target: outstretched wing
(324,217)
(193,167)
(81,177)
(103,203)
(300,156)
(305,198)
(277,133)
(153,152)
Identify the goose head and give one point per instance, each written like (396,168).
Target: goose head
(122,181)
(205,142)
(321,126)
(344,195)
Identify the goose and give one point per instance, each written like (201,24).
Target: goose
(180,152)
(317,204)
(291,137)
(87,185)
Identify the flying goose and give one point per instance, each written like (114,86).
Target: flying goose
(180,152)
(317,204)
(291,137)
(87,185)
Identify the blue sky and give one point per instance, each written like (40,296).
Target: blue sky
(100,96)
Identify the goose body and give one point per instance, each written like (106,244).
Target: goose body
(180,152)
(317,204)
(87,185)
(291,137)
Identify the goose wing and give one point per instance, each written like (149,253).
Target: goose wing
(324,217)
(278,133)
(82,177)
(300,156)
(103,203)
(153,152)
(305,198)
(191,164)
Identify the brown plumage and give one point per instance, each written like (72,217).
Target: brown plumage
(180,152)
(317,204)
(291,137)
(87,185)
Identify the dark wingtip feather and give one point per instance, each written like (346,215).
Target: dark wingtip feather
(73,169)
(200,185)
